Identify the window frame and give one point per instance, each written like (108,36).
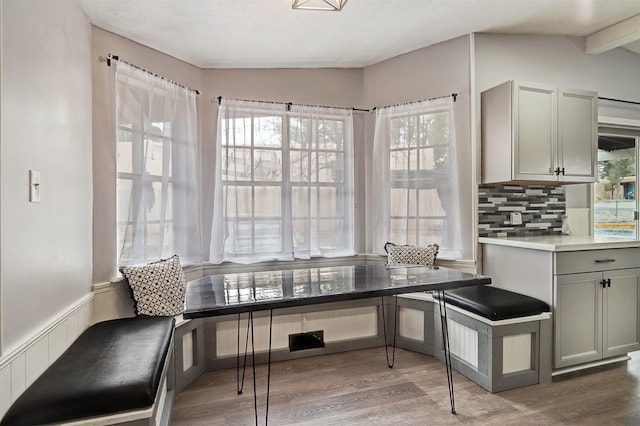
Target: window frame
(416,184)
(287,217)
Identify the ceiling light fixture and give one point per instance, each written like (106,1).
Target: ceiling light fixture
(333,5)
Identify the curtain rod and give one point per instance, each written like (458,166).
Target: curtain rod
(453,95)
(619,100)
(117,58)
(288,104)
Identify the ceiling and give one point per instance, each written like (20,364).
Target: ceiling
(269,34)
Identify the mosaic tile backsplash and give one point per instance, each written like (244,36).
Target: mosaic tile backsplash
(541,207)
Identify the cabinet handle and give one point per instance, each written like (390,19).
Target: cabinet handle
(605,260)
(562,170)
(606,283)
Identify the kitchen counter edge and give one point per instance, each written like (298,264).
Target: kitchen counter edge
(559,243)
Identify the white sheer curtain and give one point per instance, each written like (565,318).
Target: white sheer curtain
(415,196)
(158,211)
(283,185)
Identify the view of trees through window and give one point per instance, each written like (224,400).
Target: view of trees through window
(144,173)
(283,178)
(419,160)
(615,198)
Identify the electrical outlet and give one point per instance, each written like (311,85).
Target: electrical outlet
(516,218)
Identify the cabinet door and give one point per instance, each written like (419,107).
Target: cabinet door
(577,135)
(535,132)
(621,300)
(578,319)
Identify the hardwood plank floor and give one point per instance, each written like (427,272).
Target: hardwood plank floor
(357,388)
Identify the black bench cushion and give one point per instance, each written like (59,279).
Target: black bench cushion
(495,303)
(112,366)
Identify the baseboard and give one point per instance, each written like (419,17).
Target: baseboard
(588,365)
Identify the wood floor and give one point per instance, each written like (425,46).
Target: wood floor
(357,388)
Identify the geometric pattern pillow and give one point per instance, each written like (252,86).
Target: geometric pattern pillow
(411,255)
(158,288)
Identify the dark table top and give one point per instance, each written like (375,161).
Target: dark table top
(224,294)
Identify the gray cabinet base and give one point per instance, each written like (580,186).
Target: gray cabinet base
(492,364)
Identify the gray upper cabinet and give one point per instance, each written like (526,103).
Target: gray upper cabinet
(538,133)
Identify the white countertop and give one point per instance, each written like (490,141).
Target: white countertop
(562,242)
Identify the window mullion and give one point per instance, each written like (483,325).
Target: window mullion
(252,217)
(316,150)
(418,172)
(408,183)
(286,212)
(167,176)
(139,171)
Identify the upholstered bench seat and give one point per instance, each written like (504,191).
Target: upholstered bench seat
(495,303)
(499,339)
(113,367)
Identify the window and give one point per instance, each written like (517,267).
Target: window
(157,196)
(612,210)
(285,186)
(141,170)
(615,198)
(415,165)
(419,150)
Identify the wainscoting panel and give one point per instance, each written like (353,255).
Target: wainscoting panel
(227,333)
(463,342)
(411,323)
(37,358)
(516,353)
(22,366)
(5,389)
(343,324)
(188,359)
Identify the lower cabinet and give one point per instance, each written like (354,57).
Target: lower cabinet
(596,315)
(594,294)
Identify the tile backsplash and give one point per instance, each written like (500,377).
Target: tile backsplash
(541,207)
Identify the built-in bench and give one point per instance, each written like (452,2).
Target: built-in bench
(116,372)
(499,339)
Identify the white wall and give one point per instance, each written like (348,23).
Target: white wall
(333,87)
(434,71)
(560,61)
(329,87)
(555,60)
(45,248)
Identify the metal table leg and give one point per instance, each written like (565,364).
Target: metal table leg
(391,363)
(442,304)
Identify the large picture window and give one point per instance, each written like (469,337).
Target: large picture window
(416,170)
(284,182)
(157,186)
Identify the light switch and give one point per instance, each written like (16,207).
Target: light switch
(34,186)
(516,218)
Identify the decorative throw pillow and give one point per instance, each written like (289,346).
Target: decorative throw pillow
(411,255)
(158,288)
